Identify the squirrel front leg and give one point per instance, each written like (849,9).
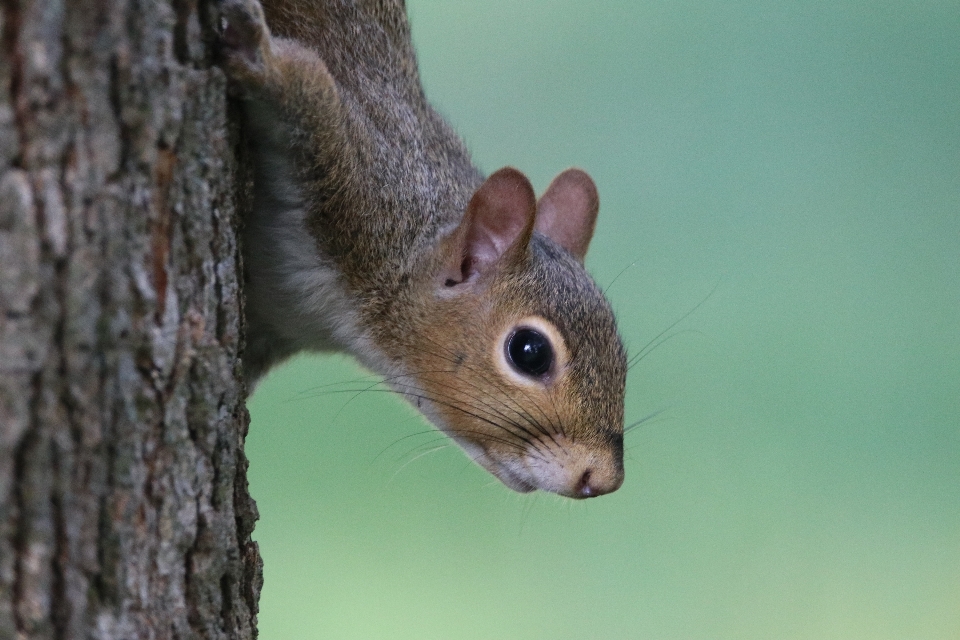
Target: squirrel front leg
(282,76)
(293,124)
(245,43)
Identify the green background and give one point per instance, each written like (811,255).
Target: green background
(803,478)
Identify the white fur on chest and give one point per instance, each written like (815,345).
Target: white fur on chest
(296,296)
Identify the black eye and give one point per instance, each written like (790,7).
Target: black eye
(530,352)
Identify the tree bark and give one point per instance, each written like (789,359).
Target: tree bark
(124,510)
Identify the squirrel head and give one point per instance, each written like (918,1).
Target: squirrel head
(517,355)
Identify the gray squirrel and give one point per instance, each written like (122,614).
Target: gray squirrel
(372,233)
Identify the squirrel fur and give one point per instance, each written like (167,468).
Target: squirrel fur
(371,232)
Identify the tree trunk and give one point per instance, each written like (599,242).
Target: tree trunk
(124,510)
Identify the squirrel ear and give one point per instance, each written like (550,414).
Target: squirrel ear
(567,211)
(499,220)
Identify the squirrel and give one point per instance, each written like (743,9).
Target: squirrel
(371,232)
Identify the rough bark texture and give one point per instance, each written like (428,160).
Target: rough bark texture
(124,510)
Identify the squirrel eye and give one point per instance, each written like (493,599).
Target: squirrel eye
(530,352)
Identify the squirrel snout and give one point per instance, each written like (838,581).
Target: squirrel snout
(593,483)
(576,470)
(596,481)
(586,470)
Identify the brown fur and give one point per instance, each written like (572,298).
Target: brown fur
(373,233)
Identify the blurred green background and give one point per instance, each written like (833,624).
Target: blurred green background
(803,480)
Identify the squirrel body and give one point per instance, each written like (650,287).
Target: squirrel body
(372,232)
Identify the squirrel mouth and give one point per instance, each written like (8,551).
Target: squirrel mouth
(509,477)
(499,469)
(513,482)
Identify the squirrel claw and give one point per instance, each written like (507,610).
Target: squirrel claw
(244,36)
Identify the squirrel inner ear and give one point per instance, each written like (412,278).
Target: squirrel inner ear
(499,221)
(567,211)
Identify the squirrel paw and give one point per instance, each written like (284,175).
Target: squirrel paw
(244,38)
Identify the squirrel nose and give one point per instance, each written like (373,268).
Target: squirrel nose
(594,483)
